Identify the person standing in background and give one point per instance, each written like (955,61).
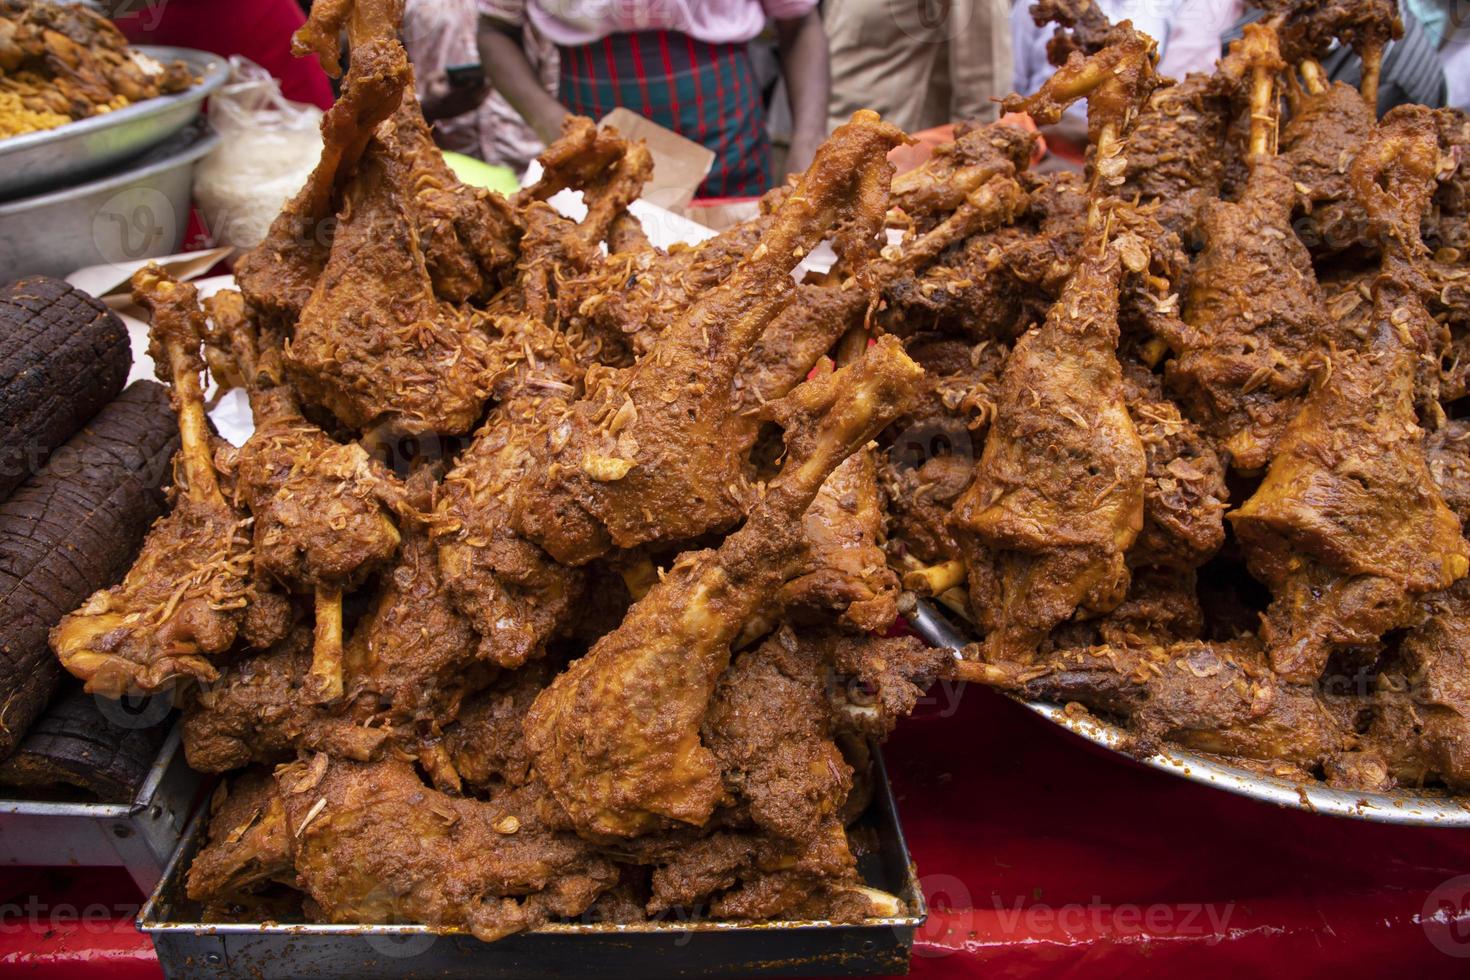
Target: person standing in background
(684,64)
(470,117)
(919,64)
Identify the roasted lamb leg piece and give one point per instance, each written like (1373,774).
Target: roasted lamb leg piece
(261,711)
(1254,321)
(1348,528)
(1421,723)
(1057,498)
(512,590)
(323,517)
(323,511)
(778,726)
(377,342)
(1221,698)
(183,603)
(249,845)
(413,655)
(616,737)
(277,277)
(642,458)
(370,843)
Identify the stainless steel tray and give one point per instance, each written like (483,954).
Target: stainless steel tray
(142,213)
(34,162)
(187,947)
(1315,797)
(140,836)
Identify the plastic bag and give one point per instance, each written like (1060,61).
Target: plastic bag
(268,148)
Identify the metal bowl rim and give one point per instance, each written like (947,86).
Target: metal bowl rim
(1405,809)
(215,71)
(202,144)
(1402,809)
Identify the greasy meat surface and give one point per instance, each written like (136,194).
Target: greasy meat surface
(641,457)
(377,342)
(372,843)
(486,744)
(1348,527)
(259,711)
(319,506)
(1162,607)
(182,603)
(278,276)
(1254,321)
(616,737)
(1221,698)
(847,572)
(1422,726)
(628,302)
(249,842)
(1057,498)
(1319,142)
(512,591)
(1448,453)
(1184,490)
(414,653)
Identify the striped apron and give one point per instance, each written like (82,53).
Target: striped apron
(703,92)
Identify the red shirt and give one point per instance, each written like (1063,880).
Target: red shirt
(260,30)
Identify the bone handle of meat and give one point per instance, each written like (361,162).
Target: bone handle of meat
(173,342)
(980,672)
(374,87)
(1263,120)
(1372,67)
(325,679)
(995,202)
(1314,79)
(935,579)
(1116,81)
(364,20)
(828,418)
(639,577)
(621,188)
(848,180)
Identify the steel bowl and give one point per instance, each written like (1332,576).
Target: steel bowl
(55,158)
(139,214)
(1315,797)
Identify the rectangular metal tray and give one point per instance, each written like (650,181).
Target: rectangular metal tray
(187,947)
(140,836)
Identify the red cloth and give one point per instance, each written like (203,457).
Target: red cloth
(260,30)
(1043,857)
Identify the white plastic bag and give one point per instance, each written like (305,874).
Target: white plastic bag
(268,148)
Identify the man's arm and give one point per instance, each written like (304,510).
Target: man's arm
(512,76)
(808,84)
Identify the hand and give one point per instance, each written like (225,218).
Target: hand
(548,119)
(803,148)
(448,101)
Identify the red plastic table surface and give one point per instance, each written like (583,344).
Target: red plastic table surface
(1042,856)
